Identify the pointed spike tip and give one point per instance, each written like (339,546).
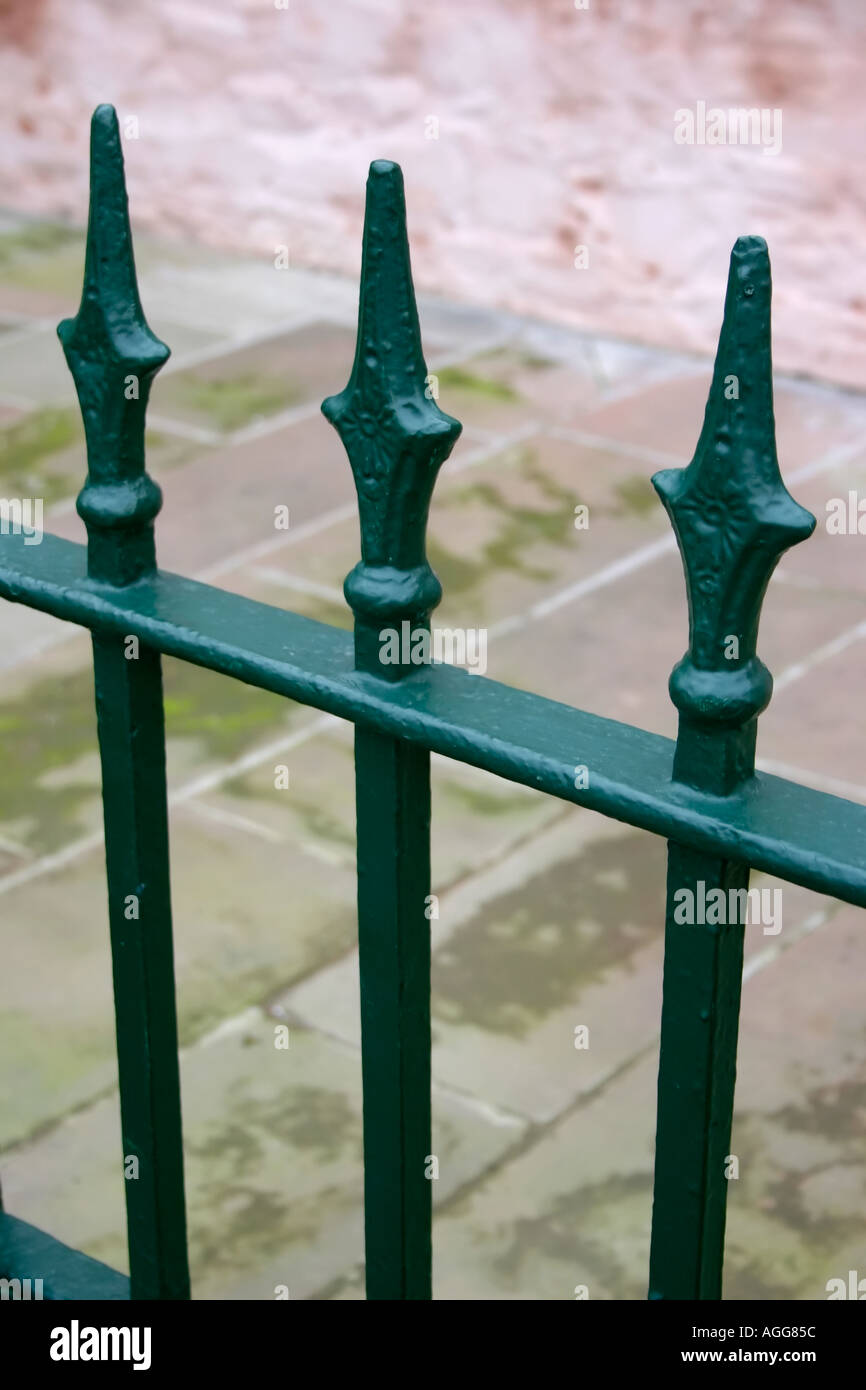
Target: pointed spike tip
(104,113)
(110,326)
(750,266)
(385,168)
(746,244)
(385,191)
(104,126)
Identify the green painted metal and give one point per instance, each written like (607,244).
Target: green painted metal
(113,357)
(393,816)
(781,827)
(396,438)
(395,435)
(66,1274)
(733,518)
(132,749)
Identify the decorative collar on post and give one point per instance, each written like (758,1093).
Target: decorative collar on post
(113,357)
(733,519)
(395,435)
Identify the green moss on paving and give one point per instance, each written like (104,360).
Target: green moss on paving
(53,1064)
(253,1223)
(52,726)
(456,574)
(26,445)
(590,1227)
(304,1117)
(520,528)
(636,495)
(530,951)
(315,819)
(226,714)
(232,402)
(536,363)
(459,379)
(37,239)
(321,824)
(45,258)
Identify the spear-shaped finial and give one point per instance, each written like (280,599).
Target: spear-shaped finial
(113,357)
(394,433)
(733,518)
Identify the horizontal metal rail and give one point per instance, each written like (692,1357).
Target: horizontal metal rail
(781,827)
(64,1274)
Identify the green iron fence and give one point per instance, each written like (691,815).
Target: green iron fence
(733,518)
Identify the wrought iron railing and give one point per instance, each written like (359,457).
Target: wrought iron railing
(733,519)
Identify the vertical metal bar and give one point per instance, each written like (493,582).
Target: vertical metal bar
(697,1072)
(113,357)
(396,439)
(733,519)
(132,747)
(393,802)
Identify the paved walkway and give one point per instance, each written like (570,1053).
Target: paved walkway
(550,917)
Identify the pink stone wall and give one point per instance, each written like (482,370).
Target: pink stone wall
(555,128)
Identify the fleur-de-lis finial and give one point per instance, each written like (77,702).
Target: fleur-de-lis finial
(113,357)
(394,433)
(733,519)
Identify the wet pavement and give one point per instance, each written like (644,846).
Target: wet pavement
(550,917)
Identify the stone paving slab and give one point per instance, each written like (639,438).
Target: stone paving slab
(242,299)
(815,720)
(477,818)
(32,365)
(224,500)
(249,916)
(275,374)
(668,415)
(559,373)
(490,391)
(612,652)
(507,534)
(51,777)
(25,634)
(22,301)
(302,836)
(564,932)
(556,936)
(573,1208)
(833,558)
(797,1212)
(42,265)
(274,1171)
